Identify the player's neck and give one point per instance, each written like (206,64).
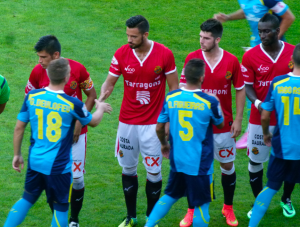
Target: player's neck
(296,71)
(56,87)
(273,48)
(192,86)
(214,53)
(144,48)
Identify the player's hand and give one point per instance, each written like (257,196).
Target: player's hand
(222,17)
(17,161)
(102,105)
(165,150)
(213,95)
(77,131)
(268,139)
(103,96)
(236,128)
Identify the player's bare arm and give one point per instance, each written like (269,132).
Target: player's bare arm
(89,103)
(265,122)
(252,96)
(108,86)
(237,15)
(2,107)
(172,80)
(101,108)
(18,137)
(287,19)
(240,99)
(165,146)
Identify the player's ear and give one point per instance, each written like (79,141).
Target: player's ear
(146,34)
(56,55)
(217,40)
(292,59)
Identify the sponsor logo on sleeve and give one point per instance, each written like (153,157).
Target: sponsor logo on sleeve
(114,61)
(84,110)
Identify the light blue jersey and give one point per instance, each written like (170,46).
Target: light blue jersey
(255,9)
(52,117)
(284,97)
(191,115)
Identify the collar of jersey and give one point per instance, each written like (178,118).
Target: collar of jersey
(184,89)
(59,91)
(292,74)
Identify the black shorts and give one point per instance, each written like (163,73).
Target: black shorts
(199,189)
(57,187)
(280,170)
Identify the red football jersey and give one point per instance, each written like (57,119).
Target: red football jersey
(259,69)
(144,82)
(79,79)
(218,81)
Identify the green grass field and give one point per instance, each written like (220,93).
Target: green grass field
(90,31)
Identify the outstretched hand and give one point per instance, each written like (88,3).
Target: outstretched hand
(222,17)
(102,105)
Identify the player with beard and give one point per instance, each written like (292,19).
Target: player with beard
(145,66)
(222,69)
(259,66)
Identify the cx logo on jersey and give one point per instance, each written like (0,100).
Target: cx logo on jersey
(129,70)
(77,167)
(154,161)
(223,151)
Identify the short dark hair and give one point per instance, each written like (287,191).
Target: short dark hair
(139,22)
(296,55)
(193,70)
(49,43)
(214,26)
(58,70)
(270,18)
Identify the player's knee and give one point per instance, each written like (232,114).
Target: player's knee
(78,183)
(255,167)
(129,171)
(30,197)
(154,177)
(228,170)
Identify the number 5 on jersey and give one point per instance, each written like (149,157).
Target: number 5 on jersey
(185,124)
(53,130)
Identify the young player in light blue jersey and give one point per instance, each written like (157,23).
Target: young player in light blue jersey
(252,11)
(284,164)
(52,115)
(191,114)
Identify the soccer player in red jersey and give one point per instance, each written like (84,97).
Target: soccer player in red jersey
(222,69)
(48,48)
(260,65)
(145,66)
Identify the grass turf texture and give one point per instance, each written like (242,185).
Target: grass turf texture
(90,32)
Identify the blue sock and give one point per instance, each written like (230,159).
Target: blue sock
(201,216)
(18,213)
(60,219)
(261,205)
(160,209)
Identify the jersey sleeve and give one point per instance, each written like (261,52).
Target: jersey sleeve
(237,77)
(32,82)
(24,113)
(169,60)
(115,68)
(269,103)
(5,92)
(247,71)
(82,114)
(164,114)
(217,117)
(85,82)
(277,6)
(182,77)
